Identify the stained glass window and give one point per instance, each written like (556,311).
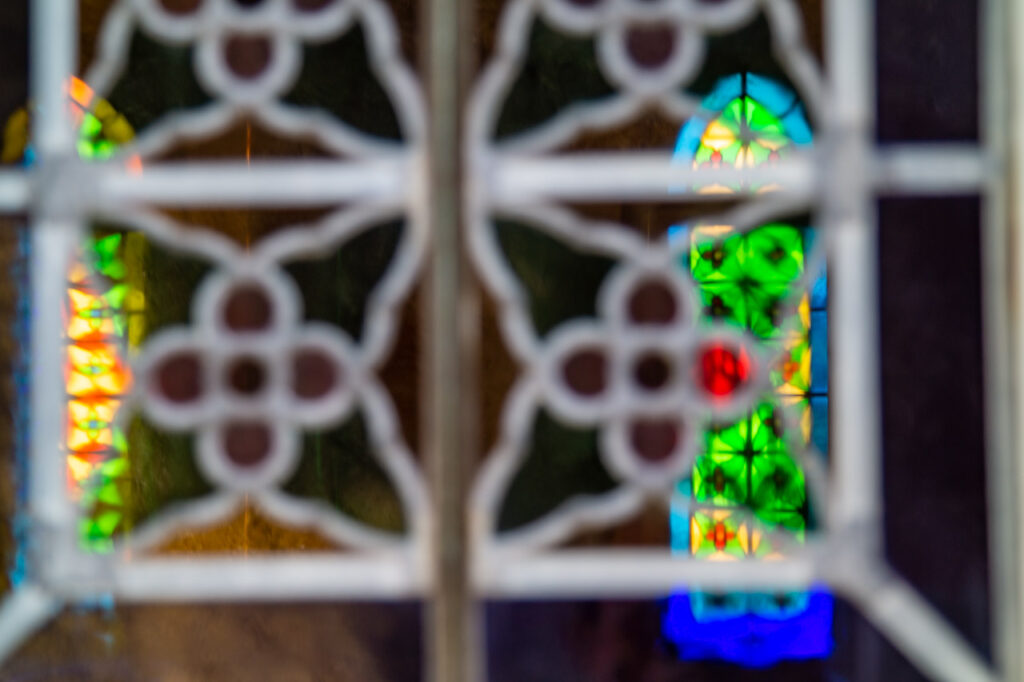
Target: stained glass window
(104,316)
(626,480)
(747,496)
(101,308)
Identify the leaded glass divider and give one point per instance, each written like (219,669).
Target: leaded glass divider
(512,181)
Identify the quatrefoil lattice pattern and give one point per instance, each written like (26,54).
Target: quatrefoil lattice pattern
(668,363)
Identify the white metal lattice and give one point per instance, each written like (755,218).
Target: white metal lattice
(527,177)
(377,181)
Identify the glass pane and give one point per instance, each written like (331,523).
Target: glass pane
(224,642)
(611,641)
(928,70)
(933,405)
(233,380)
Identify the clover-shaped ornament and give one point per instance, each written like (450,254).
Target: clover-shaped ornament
(649,375)
(248,378)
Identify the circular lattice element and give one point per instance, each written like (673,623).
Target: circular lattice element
(249,51)
(586,371)
(248,378)
(653,57)
(647,375)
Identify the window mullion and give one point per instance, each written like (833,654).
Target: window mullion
(450,632)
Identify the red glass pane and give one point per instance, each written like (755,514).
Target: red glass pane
(723,369)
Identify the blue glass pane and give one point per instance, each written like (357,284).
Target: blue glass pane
(819,427)
(754,630)
(819,351)
(819,292)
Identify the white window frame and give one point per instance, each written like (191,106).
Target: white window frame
(453,568)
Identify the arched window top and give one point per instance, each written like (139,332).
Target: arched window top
(746,120)
(748,486)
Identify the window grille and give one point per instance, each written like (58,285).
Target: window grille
(779,172)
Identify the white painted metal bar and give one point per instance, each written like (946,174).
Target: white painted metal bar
(855,451)
(1003,242)
(902,615)
(906,169)
(621,177)
(932,169)
(850,226)
(921,633)
(293,577)
(15,191)
(49,503)
(54,46)
(22,613)
(856,172)
(636,573)
(264,184)
(54,37)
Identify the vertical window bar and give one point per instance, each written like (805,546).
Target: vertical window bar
(1003,137)
(54,40)
(850,217)
(451,645)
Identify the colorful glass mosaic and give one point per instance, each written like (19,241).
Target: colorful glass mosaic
(103,314)
(746,120)
(747,497)
(100,308)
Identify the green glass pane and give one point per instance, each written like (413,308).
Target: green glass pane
(761,121)
(110,494)
(777,483)
(759,153)
(766,430)
(766,309)
(716,260)
(108,522)
(731,152)
(732,439)
(106,256)
(119,466)
(721,478)
(782,520)
(758,433)
(93,538)
(732,116)
(725,302)
(91,126)
(773,254)
(115,295)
